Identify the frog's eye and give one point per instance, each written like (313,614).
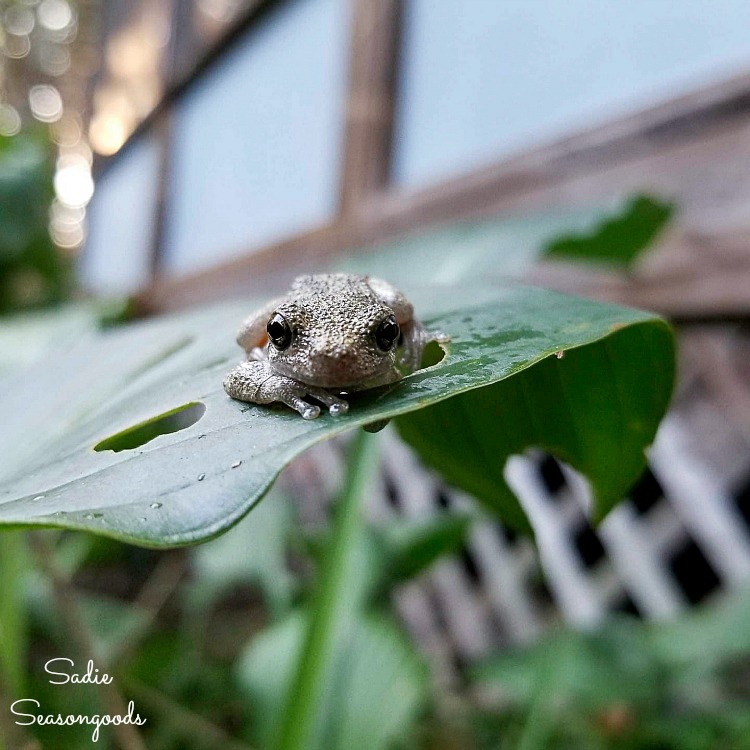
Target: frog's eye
(387,334)
(279,332)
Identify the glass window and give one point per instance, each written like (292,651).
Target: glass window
(257,143)
(485,78)
(117,257)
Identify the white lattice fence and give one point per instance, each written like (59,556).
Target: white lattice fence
(682,537)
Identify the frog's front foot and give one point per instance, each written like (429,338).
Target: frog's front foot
(256,383)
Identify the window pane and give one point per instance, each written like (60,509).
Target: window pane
(485,78)
(121,221)
(257,143)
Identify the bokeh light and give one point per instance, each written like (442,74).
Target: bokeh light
(67,225)
(54,59)
(55,15)
(18,20)
(74,185)
(67,130)
(16,47)
(107,133)
(46,103)
(10,120)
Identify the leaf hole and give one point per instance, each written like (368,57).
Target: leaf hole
(433,354)
(144,432)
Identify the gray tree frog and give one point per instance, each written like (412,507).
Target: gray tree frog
(332,334)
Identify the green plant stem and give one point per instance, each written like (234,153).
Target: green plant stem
(331,606)
(13,645)
(127,736)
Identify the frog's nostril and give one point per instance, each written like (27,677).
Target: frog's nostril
(335,354)
(333,350)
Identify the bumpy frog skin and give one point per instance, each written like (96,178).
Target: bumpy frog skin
(332,333)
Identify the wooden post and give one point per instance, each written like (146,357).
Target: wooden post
(369,114)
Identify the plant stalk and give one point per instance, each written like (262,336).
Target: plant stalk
(330,612)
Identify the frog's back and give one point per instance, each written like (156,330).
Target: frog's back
(331,285)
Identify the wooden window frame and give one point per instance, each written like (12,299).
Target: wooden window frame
(371,210)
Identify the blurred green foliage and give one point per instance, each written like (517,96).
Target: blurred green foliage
(33,273)
(682,685)
(618,240)
(207,641)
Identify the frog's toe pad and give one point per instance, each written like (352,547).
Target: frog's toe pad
(310,412)
(339,408)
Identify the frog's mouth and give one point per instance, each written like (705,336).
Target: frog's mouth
(341,374)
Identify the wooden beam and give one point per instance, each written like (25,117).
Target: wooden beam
(694,150)
(370,103)
(263,272)
(705,294)
(163,132)
(540,176)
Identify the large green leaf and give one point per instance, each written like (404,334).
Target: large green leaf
(596,408)
(28,337)
(501,386)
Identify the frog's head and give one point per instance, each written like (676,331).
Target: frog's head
(334,341)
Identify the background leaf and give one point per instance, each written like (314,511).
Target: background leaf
(619,239)
(591,669)
(680,684)
(376,691)
(409,546)
(249,553)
